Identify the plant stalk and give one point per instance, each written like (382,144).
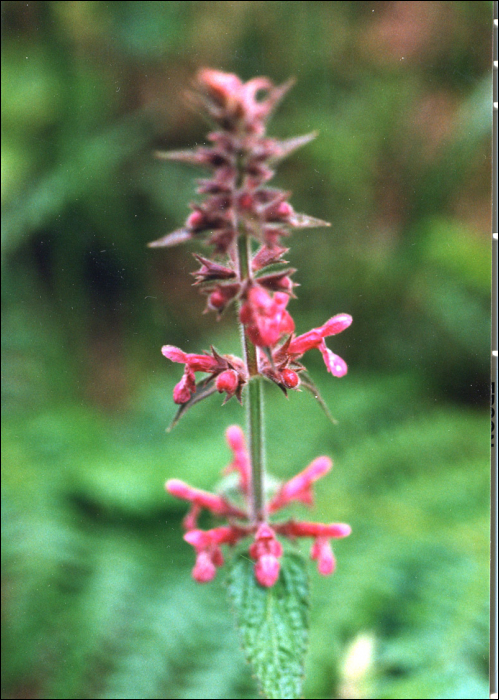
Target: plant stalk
(254,400)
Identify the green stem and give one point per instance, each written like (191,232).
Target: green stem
(256,447)
(254,400)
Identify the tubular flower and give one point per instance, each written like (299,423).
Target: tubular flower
(315,339)
(323,553)
(299,488)
(228,370)
(208,553)
(241,462)
(199,500)
(266,550)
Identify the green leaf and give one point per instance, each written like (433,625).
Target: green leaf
(273,623)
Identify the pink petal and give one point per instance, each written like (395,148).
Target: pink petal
(180,489)
(305,342)
(174,354)
(336,325)
(321,550)
(235,438)
(296,528)
(183,391)
(334,363)
(204,569)
(299,487)
(267,570)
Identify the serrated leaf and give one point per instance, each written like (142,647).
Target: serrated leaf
(273,623)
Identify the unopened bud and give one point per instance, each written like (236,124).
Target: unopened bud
(217,299)
(227,381)
(246,201)
(284,209)
(290,378)
(195,220)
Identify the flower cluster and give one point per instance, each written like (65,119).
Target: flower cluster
(229,372)
(266,550)
(269,326)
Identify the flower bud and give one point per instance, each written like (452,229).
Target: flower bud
(284,209)
(227,381)
(216,300)
(246,201)
(196,221)
(222,295)
(290,378)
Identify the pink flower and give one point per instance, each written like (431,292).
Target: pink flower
(208,553)
(296,528)
(202,499)
(235,103)
(195,363)
(321,550)
(265,317)
(224,88)
(183,391)
(266,550)
(299,488)
(205,569)
(204,539)
(241,461)
(315,339)
(229,370)
(322,534)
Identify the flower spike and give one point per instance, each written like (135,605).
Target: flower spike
(244,221)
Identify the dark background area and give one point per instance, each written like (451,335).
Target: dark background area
(98,600)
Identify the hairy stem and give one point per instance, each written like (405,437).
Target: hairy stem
(254,400)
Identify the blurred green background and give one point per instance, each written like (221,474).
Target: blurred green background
(97,596)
